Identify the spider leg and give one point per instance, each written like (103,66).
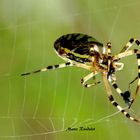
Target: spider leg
(130,44)
(107,52)
(107,49)
(50,68)
(111,99)
(89,76)
(63,65)
(125,95)
(86,78)
(128,53)
(81,65)
(134,96)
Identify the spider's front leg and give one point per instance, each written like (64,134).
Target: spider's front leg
(129,44)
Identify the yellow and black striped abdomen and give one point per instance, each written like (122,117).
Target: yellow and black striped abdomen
(75,46)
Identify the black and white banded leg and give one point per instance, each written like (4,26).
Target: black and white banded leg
(125,95)
(111,99)
(113,102)
(138,85)
(128,53)
(50,68)
(108,53)
(129,44)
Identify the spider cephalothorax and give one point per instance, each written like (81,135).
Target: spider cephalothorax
(84,51)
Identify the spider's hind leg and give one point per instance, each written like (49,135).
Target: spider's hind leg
(86,78)
(50,68)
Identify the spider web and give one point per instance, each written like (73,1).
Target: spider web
(47,105)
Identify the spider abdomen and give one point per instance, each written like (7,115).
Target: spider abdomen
(75,46)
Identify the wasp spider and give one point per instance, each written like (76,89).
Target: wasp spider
(84,51)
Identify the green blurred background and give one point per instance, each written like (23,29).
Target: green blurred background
(42,106)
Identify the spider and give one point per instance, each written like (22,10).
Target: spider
(86,52)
